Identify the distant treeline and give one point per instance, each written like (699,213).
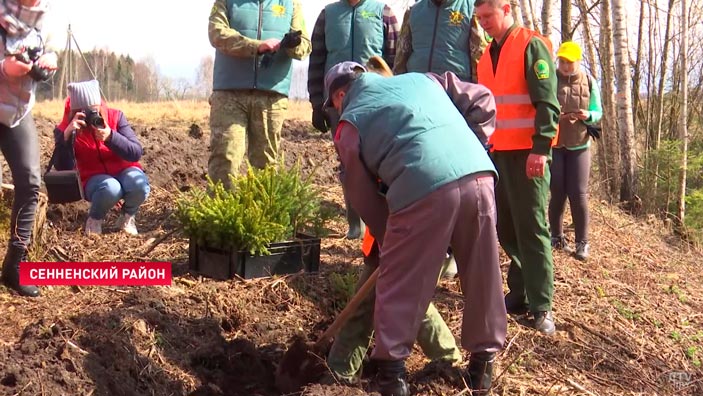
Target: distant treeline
(123,78)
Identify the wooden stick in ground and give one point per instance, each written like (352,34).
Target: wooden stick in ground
(350,309)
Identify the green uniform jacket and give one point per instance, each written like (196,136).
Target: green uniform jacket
(353,33)
(412,137)
(237,28)
(440,37)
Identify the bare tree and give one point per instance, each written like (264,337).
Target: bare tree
(203,79)
(609,143)
(527,14)
(637,74)
(517,11)
(662,77)
(626,128)
(146,80)
(547,6)
(683,120)
(565,20)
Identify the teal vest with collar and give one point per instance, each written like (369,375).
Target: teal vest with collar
(440,37)
(353,33)
(259,20)
(412,136)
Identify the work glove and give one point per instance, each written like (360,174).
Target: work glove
(292,39)
(319,119)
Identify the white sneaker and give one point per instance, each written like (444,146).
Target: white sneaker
(93,226)
(127,224)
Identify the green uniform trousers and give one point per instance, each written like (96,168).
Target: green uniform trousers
(523,231)
(244,120)
(347,354)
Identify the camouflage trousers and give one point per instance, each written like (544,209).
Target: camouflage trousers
(244,120)
(349,348)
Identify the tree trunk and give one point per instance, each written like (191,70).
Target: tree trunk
(609,142)
(660,96)
(637,74)
(566,20)
(547,17)
(527,14)
(683,121)
(517,12)
(626,129)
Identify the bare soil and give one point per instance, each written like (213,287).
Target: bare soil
(630,319)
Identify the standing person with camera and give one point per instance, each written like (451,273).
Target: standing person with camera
(106,152)
(24,62)
(255,43)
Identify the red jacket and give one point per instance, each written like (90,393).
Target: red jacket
(93,157)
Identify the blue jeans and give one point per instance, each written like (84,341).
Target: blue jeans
(104,191)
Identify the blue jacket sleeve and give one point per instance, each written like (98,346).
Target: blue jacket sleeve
(124,142)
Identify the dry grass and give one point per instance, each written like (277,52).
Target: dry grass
(189,111)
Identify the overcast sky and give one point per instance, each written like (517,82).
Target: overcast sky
(174,33)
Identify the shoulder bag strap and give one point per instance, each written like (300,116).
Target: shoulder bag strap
(54,155)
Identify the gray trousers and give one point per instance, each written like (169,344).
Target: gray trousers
(20,147)
(460,214)
(570,172)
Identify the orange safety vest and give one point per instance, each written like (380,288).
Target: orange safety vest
(367,244)
(515,123)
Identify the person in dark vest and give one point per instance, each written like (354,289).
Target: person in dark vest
(518,68)
(255,43)
(571,165)
(106,157)
(421,179)
(20,22)
(347,30)
(439,36)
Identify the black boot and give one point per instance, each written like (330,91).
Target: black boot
(480,372)
(11,272)
(390,380)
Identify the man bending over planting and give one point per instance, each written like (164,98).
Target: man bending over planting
(421,180)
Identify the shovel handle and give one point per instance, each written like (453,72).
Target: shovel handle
(351,307)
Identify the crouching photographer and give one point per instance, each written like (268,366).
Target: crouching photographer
(19,22)
(106,152)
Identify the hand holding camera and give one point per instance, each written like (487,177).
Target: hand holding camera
(41,66)
(14,67)
(88,118)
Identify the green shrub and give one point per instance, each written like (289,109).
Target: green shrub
(264,206)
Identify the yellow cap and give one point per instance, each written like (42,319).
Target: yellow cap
(570,51)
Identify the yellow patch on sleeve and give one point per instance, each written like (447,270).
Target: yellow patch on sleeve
(541,69)
(278,10)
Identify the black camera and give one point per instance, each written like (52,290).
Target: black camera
(37,73)
(93,118)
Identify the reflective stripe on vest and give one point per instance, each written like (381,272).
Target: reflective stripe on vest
(515,124)
(513,99)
